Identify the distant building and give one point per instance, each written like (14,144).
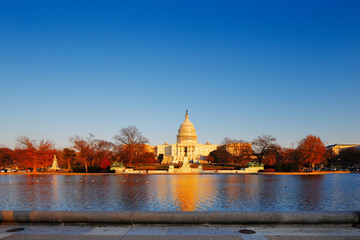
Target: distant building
(336,148)
(186,139)
(238,149)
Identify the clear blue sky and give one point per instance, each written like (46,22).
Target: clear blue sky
(242,68)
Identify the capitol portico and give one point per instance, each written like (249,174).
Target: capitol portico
(186,139)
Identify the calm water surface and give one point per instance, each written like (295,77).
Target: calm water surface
(246,192)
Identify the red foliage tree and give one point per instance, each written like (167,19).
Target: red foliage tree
(270,158)
(311,150)
(147,158)
(39,153)
(273,155)
(105,163)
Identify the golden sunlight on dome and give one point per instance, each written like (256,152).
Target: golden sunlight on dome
(187,131)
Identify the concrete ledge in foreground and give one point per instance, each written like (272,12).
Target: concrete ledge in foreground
(181,217)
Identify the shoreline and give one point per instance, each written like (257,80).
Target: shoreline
(303,173)
(156,173)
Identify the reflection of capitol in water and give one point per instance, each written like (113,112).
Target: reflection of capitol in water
(187,193)
(184,190)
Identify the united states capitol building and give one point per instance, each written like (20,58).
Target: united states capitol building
(186,139)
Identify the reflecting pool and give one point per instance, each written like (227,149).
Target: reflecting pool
(242,192)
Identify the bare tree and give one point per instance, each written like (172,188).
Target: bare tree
(85,148)
(130,135)
(229,140)
(132,142)
(262,146)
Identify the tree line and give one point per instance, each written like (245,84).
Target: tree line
(310,152)
(130,148)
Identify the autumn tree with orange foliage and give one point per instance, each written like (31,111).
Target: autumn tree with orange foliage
(311,150)
(147,158)
(273,155)
(39,153)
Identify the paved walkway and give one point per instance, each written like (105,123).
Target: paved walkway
(178,232)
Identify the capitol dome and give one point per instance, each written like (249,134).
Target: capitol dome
(187,131)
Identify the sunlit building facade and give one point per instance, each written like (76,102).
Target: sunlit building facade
(238,149)
(336,148)
(186,139)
